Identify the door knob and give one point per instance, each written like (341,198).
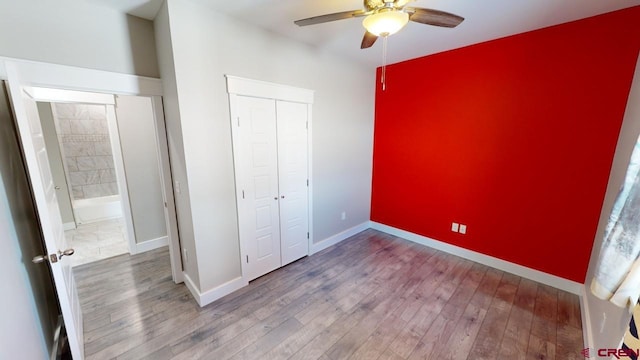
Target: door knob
(67,252)
(54,258)
(39,259)
(57,187)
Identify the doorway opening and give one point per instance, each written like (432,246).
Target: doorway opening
(81,156)
(32,82)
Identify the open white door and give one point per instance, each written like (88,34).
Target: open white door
(167,186)
(31,137)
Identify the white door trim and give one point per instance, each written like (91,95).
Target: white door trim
(310,174)
(74,78)
(267,90)
(66,96)
(238,86)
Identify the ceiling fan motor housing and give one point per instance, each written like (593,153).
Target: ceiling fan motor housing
(371,5)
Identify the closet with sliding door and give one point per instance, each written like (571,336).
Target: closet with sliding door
(271,131)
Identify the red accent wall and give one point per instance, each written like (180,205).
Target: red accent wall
(514,138)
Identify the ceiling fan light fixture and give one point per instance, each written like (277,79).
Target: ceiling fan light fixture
(385,23)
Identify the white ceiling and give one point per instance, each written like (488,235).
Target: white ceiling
(484,20)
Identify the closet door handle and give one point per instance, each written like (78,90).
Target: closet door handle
(282,196)
(275,198)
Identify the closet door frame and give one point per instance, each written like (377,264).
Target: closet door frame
(238,86)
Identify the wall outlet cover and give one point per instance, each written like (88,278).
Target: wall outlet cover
(454,227)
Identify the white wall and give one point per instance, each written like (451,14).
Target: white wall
(136,127)
(77,33)
(206,46)
(609,334)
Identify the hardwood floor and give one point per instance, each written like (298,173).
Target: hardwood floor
(373,296)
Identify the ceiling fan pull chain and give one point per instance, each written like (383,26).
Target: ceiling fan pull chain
(384,63)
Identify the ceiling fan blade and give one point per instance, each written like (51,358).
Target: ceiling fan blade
(330,17)
(368,40)
(434,17)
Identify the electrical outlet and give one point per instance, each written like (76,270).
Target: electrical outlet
(463,229)
(455,227)
(343,216)
(177,186)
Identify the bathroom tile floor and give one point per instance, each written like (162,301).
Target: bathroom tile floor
(97,241)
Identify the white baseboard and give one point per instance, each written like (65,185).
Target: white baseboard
(151,244)
(587,330)
(216,293)
(523,271)
(230,286)
(69,226)
(193,289)
(332,240)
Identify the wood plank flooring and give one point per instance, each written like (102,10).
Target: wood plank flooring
(373,296)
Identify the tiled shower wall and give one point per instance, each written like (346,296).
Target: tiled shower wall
(84,138)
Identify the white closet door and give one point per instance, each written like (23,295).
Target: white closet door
(293,175)
(259,224)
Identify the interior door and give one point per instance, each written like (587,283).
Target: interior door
(36,159)
(258,203)
(293,176)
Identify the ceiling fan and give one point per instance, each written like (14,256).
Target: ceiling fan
(386,17)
